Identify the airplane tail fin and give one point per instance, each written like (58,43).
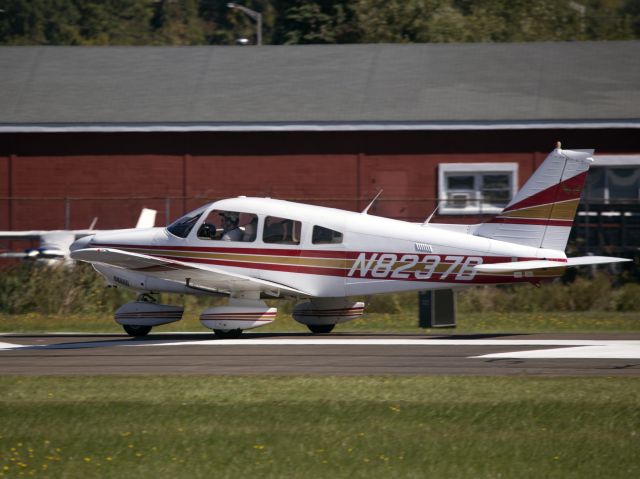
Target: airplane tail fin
(147,218)
(542,212)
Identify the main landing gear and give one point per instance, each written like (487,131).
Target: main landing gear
(139,317)
(321,328)
(136,331)
(321,315)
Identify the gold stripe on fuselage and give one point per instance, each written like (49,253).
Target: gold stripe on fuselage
(250,258)
(333,263)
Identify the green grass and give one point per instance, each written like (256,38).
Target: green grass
(517,322)
(319,427)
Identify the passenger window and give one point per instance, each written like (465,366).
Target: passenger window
(325,236)
(229,226)
(281,230)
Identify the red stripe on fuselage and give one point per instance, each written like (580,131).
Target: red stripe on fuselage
(435,278)
(296,253)
(309,253)
(316,270)
(264,266)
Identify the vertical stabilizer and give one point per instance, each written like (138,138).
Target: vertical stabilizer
(147,218)
(542,212)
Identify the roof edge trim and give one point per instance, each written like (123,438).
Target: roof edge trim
(308,126)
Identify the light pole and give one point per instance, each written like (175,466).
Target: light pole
(253,15)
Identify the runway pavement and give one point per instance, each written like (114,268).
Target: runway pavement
(332,354)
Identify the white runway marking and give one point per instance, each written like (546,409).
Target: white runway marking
(568,349)
(391,342)
(555,348)
(5,346)
(615,350)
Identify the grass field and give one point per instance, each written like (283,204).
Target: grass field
(190,426)
(516,322)
(325,427)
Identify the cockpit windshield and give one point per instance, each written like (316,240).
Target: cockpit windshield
(183,226)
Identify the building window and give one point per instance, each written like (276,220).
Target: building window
(476,188)
(613,179)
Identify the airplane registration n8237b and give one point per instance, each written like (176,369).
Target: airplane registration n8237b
(255,248)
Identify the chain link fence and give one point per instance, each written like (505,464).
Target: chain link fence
(612,228)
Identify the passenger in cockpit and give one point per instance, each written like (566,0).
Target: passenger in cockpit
(231,232)
(250,230)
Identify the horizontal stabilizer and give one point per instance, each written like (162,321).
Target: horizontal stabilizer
(515,266)
(587,260)
(14,254)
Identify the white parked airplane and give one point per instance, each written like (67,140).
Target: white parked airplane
(54,244)
(256,248)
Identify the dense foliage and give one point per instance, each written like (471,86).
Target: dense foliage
(203,22)
(32,288)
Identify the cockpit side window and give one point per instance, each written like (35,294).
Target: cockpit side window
(281,230)
(322,235)
(222,225)
(183,226)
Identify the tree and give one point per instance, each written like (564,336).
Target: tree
(193,22)
(328,21)
(177,23)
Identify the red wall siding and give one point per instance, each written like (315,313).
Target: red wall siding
(339,169)
(116,178)
(5,192)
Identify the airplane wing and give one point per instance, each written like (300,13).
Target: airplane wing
(14,254)
(21,235)
(195,276)
(514,266)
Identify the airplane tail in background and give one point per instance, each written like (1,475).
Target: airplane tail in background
(542,212)
(147,218)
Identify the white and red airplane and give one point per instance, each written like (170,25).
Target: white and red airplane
(256,248)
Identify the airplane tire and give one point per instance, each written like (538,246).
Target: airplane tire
(320,328)
(228,334)
(136,331)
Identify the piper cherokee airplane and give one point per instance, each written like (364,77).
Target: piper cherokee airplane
(54,244)
(255,248)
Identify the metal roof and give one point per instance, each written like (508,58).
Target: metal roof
(321,87)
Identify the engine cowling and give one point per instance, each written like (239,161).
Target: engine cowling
(144,313)
(327,311)
(240,315)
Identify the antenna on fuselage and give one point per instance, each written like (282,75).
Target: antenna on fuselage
(364,211)
(426,222)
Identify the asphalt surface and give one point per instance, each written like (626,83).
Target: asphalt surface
(332,354)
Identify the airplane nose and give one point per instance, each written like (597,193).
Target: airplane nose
(81,243)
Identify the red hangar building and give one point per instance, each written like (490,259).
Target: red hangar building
(102,131)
